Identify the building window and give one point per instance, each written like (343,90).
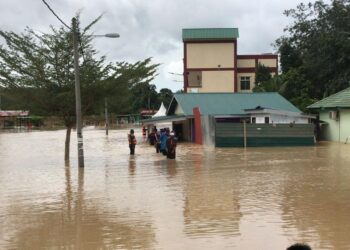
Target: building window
(195,79)
(253,119)
(245,82)
(334,115)
(267,119)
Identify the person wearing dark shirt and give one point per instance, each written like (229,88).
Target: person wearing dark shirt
(171,146)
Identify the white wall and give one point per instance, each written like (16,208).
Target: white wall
(280,119)
(336,130)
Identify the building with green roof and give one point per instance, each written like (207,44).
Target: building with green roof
(217,118)
(212,65)
(334,114)
(209,34)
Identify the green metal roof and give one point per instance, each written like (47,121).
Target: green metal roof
(338,100)
(209,34)
(229,103)
(162,118)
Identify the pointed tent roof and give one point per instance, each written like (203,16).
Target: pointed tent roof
(161,111)
(338,100)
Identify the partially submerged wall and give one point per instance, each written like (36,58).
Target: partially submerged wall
(258,135)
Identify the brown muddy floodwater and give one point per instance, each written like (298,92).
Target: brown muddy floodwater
(259,198)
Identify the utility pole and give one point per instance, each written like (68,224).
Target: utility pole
(77,95)
(106,116)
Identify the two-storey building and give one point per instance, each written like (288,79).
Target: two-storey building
(211,63)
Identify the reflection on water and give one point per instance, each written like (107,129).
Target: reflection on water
(258,198)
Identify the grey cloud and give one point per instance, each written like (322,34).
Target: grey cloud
(153,28)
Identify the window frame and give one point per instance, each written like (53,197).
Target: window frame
(199,79)
(245,81)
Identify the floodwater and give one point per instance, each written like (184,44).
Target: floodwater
(231,198)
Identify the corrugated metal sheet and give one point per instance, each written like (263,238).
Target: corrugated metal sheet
(340,99)
(209,34)
(230,103)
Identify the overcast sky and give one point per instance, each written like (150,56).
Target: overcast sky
(153,28)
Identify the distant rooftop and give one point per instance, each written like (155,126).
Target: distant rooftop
(209,34)
(338,100)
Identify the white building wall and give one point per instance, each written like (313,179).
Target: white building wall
(280,119)
(336,130)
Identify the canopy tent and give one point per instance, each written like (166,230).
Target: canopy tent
(161,111)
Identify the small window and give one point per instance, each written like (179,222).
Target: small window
(245,82)
(267,119)
(195,79)
(253,119)
(334,115)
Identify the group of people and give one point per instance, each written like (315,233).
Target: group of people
(164,141)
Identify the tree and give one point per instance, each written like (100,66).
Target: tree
(37,70)
(316,49)
(165,95)
(275,84)
(296,88)
(262,74)
(143,96)
(126,85)
(290,57)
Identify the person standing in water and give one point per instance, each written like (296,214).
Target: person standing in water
(132,141)
(163,138)
(157,141)
(171,146)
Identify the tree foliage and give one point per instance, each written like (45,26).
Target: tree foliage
(315,51)
(37,73)
(165,95)
(262,74)
(143,96)
(129,84)
(39,69)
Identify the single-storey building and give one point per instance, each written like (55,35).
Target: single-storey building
(334,115)
(237,119)
(14,118)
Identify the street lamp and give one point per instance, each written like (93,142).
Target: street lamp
(77,90)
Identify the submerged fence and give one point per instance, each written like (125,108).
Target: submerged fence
(258,135)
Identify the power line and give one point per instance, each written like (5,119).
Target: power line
(53,12)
